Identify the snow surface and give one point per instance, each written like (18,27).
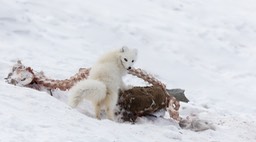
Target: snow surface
(207,48)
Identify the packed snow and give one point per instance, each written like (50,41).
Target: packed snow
(207,48)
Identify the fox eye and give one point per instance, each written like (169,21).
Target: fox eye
(125,60)
(132,60)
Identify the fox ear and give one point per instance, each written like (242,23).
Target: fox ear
(124,49)
(135,51)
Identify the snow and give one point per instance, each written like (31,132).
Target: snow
(204,47)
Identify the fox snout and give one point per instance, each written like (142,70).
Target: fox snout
(129,68)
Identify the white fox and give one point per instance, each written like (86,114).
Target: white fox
(104,81)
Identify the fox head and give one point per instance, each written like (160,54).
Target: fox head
(128,57)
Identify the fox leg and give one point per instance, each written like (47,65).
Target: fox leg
(111,101)
(97,109)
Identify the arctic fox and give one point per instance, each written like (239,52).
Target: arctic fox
(104,81)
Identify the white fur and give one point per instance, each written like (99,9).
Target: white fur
(104,81)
